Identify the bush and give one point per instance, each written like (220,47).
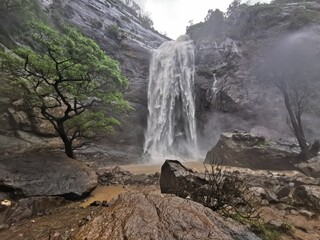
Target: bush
(226,192)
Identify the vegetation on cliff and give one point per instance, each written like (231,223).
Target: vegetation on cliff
(65,76)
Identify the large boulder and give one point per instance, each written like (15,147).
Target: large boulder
(308,196)
(32,207)
(22,142)
(242,149)
(153,216)
(311,167)
(179,180)
(40,174)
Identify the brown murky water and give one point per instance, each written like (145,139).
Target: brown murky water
(197,166)
(107,193)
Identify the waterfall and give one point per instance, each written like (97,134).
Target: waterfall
(214,85)
(171,128)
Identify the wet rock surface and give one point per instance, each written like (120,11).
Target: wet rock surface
(311,167)
(32,207)
(138,212)
(148,216)
(242,149)
(177,179)
(309,196)
(290,187)
(41,174)
(119,176)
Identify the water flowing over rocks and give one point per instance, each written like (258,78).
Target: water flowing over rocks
(52,174)
(171,122)
(151,216)
(242,149)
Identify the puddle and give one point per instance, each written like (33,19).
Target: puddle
(103,193)
(107,193)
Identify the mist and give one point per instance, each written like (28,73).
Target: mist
(172,16)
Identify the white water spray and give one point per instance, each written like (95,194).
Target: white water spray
(171,123)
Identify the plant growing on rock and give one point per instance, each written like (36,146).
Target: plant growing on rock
(227,192)
(64,78)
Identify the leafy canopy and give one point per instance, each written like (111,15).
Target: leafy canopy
(65,75)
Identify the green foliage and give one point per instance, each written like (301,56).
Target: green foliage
(146,20)
(289,1)
(115,32)
(233,7)
(225,192)
(92,124)
(265,231)
(66,76)
(212,28)
(301,18)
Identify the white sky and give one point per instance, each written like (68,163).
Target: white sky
(172,16)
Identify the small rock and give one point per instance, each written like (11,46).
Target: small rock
(99,204)
(306,213)
(3,196)
(139,178)
(6,203)
(311,168)
(283,192)
(275,223)
(294,212)
(309,196)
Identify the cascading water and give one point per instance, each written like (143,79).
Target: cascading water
(171,123)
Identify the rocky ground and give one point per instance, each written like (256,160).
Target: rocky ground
(141,212)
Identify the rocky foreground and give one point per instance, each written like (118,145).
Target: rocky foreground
(289,198)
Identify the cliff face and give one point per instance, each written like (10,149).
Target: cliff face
(118,30)
(121,35)
(230,93)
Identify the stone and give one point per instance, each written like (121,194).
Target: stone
(242,149)
(23,143)
(46,174)
(311,168)
(154,216)
(4,196)
(264,194)
(306,213)
(140,179)
(32,207)
(275,223)
(283,192)
(99,204)
(179,180)
(308,196)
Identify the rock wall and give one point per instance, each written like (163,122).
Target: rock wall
(120,33)
(230,94)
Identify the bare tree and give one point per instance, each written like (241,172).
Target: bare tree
(293,67)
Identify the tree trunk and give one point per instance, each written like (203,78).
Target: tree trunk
(315,148)
(68,148)
(297,129)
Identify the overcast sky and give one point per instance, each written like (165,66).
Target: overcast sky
(172,16)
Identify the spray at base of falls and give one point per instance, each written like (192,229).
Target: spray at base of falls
(171,129)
